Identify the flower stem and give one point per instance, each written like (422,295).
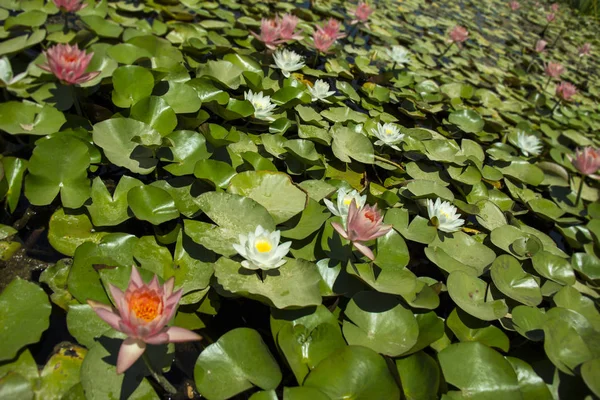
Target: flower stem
(316,60)
(76,101)
(394,66)
(158,376)
(554,108)
(446,50)
(385,160)
(579,192)
(66,27)
(547,83)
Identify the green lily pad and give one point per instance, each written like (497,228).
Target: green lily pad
(131,84)
(510,279)
(469,293)
(470,329)
(467,120)
(152,204)
(420,376)
(107,210)
(68,230)
(155,112)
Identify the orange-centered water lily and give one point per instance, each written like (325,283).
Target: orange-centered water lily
(142,313)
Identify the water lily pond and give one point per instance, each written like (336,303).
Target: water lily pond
(299,200)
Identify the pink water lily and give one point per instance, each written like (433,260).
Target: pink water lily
(554,7)
(550,17)
(332,28)
(362,224)
(554,70)
(322,41)
(540,46)
(514,5)
(459,34)
(142,313)
(361,13)
(566,91)
(68,64)
(270,31)
(287,27)
(587,161)
(585,50)
(71,6)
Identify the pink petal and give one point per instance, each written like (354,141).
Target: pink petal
(339,230)
(130,351)
(118,296)
(178,335)
(87,77)
(45,67)
(109,317)
(154,285)
(168,286)
(96,304)
(365,250)
(159,338)
(136,278)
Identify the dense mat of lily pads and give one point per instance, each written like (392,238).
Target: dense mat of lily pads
(299,200)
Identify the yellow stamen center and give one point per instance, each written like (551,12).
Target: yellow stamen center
(263,246)
(347,201)
(145,304)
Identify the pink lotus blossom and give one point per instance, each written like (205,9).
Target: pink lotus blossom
(459,34)
(587,161)
(322,41)
(68,64)
(565,91)
(550,17)
(363,224)
(554,7)
(361,13)
(554,70)
(71,6)
(514,5)
(142,313)
(585,50)
(332,28)
(270,31)
(287,26)
(540,45)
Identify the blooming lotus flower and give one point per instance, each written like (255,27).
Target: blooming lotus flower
(587,161)
(288,61)
(514,5)
(320,91)
(344,198)
(399,54)
(322,41)
(565,91)
(142,313)
(270,31)
(261,249)
(585,50)
(554,70)
(71,6)
(288,27)
(68,64)
(459,34)
(263,109)
(550,17)
(529,144)
(447,219)
(540,45)
(361,13)
(388,134)
(554,7)
(332,28)
(363,224)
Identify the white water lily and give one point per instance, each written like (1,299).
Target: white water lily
(288,61)
(529,144)
(320,91)
(261,249)
(399,54)
(388,134)
(344,198)
(445,213)
(263,109)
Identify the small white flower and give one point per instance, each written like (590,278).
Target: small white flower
(263,109)
(288,61)
(399,55)
(447,218)
(320,91)
(388,134)
(261,249)
(344,198)
(529,144)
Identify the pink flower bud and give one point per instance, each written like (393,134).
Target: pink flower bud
(68,64)
(459,34)
(288,28)
(587,161)
(585,50)
(554,70)
(550,17)
(554,7)
(565,91)
(332,28)
(142,313)
(270,31)
(362,225)
(540,45)
(71,6)
(362,12)
(514,5)
(322,41)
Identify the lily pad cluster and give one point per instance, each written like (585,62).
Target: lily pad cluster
(369,201)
